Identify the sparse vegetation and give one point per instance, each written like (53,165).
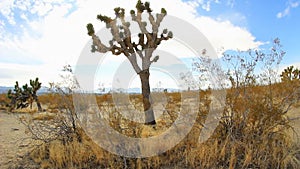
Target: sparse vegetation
(4,101)
(260,140)
(22,97)
(254,131)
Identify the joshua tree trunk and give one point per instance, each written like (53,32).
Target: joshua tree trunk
(30,100)
(149,114)
(38,104)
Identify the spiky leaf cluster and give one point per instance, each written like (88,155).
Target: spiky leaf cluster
(290,73)
(22,97)
(90,29)
(35,85)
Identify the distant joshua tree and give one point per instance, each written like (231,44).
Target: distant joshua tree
(23,97)
(35,86)
(290,73)
(122,43)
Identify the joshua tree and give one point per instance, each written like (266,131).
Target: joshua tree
(290,73)
(35,86)
(122,43)
(22,97)
(18,97)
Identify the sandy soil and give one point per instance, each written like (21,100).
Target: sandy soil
(14,143)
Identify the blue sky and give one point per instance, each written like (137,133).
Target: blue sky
(38,37)
(264,19)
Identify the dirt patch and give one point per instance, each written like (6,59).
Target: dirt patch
(14,143)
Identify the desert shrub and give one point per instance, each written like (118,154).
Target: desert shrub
(58,125)
(254,131)
(69,154)
(4,101)
(252,134)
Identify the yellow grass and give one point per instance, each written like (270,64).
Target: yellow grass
(262,139)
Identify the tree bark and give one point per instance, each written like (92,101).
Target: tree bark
(149,114)
(38,103)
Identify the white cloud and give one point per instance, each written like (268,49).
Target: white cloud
(2,32)
(41,8)
(287,10)
(294,4)
(283,13)
(283,66)
(236,18)
(6,11)
(6,3)
(204,4)
(223,34)
(23,73)
(62,37)
(23,16)
(22,4)
(230,3)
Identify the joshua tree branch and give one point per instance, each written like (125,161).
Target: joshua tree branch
(121,42)
(138,18)
(100,46)
(133,61)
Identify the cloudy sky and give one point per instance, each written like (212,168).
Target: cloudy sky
(38,37)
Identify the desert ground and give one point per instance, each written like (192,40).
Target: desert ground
(14,142)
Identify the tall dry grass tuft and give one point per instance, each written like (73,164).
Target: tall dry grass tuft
(71,154)
(4,101)
(259,139)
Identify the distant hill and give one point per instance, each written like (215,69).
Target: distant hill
(135,90)
(4,89)
(43,90)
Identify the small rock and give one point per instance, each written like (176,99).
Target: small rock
(15,129)
(23,145)
(20,155)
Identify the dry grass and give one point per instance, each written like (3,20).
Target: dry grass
(25,111)
(74,154)
(43,116)
(3,101)
(254,133)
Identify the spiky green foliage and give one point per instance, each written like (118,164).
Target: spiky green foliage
(35,85)
(290,73)
(90,29)
(18,96)
(104,18)
(22,97)
(147,6)
(120,12)
(132,12)
(140,6)
(164,11)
